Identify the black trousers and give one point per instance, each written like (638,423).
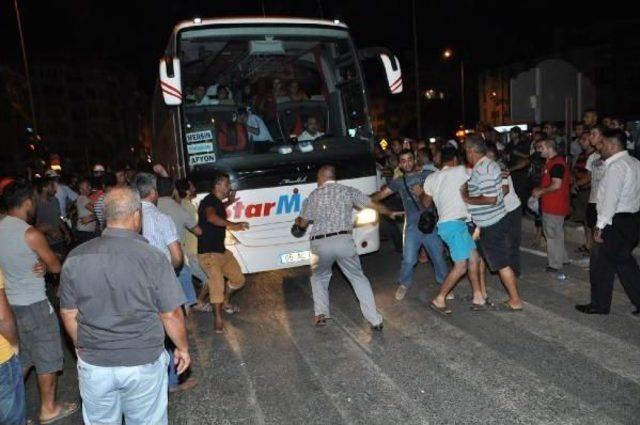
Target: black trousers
(614,257)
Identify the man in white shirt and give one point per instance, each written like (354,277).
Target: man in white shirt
(259,134)
(617,227)
(311,130)
(442,188)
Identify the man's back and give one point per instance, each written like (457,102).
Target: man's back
(330,207)
(444,187)
(119,284)
(158,228)
(181,217)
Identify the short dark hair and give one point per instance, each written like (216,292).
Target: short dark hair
(617,136)
(218,177)
(407,152)
(15,193)
(165,186)
(43,182)
(491,147)
(182,186)
(448,153)
(110,180)
(601,128)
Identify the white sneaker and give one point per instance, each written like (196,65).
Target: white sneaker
(582,263)
(401,292)
(450,296)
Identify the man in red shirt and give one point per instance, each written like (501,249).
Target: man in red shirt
(554,195)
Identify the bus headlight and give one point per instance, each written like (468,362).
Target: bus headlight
(366,216)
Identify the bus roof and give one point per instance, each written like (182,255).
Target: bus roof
(244,20)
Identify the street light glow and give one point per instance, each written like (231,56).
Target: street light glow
(447,54)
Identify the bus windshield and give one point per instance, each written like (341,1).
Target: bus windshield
(283,95)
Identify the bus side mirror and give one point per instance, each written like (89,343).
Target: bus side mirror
(394,73)
(391,65)
(170,81)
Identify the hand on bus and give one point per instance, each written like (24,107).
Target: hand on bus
(243,225)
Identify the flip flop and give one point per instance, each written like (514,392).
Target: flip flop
(320,320)
(203,308)
(481,307)
(67,410)
(506,307)
(445,311)
(231,309)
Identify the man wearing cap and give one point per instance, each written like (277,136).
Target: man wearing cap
(330,208)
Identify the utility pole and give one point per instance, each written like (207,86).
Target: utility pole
(26,69)
(417,72)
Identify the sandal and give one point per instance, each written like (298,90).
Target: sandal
(66,410)
(231,309)
(445,311)
(506,307)
(481,307)
(202,307)
(320,320)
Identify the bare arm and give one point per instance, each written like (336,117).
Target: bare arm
(216,220)
(378,196)
(70,322)
(556,184)
(8,328)
(196,231)
(175,250)
(173,322)
(38,244)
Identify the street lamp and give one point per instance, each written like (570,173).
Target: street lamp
(447,54)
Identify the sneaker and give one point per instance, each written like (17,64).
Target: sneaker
(450,296)
(401,292)
(582,262)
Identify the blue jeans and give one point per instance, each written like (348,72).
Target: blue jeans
(186,281)
(413,240)
(13,406)
(138,392)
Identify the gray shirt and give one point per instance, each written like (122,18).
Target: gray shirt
(330,206)
(48,212)
(119,284)
(22,286)
(181,217)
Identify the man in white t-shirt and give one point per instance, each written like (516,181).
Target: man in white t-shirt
(595,165)
(256,128)
(311,130)
(442,188)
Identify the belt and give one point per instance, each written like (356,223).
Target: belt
(328,235)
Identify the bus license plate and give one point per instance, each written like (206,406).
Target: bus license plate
(294,257)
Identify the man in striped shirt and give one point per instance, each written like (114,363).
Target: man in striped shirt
(485,201)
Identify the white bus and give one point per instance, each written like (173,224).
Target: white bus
(290,74)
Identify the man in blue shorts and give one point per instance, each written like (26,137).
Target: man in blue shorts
(442,188)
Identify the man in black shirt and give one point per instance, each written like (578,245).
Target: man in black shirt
(218,262)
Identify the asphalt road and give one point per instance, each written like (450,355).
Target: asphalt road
(546,365)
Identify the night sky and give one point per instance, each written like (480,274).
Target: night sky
(134,33)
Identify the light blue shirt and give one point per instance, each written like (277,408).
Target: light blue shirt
(158,228)
(263,132)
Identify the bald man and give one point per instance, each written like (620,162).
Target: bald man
(330,208)
(118,297)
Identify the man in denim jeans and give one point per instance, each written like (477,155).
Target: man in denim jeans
(414,239)
(12,398)
(118,297)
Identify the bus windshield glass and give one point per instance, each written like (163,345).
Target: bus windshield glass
(270,93)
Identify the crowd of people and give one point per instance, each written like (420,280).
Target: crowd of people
(122,249)
(120,253)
